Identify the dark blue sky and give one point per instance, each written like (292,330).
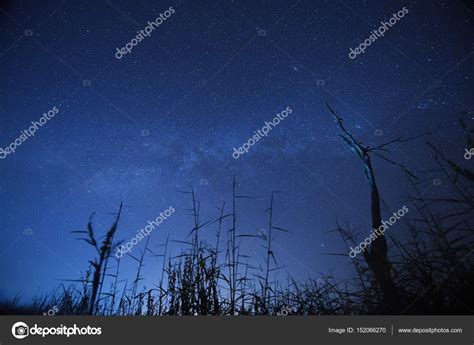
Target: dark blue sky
(168,115)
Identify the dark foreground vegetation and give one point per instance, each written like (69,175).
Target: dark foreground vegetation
(425,267)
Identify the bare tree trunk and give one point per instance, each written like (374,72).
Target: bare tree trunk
(376,256)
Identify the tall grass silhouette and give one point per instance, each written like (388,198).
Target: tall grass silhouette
(426,266)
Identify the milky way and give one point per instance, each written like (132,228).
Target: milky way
(165,118)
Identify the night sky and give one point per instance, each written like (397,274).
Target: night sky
(166,117)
